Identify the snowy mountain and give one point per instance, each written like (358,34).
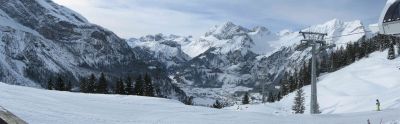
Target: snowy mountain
(287,58)
(228,58)
(166,49)
(41,40)
(230,37)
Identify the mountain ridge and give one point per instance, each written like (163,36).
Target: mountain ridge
(43,40)
(229,58)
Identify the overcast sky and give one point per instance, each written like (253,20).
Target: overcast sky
(135,18)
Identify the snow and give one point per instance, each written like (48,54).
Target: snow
(351,89)
(166,49)
(8,25)
(333,28)
(38,106)
(62,13)
(230,37)
(346,96)
(264,42)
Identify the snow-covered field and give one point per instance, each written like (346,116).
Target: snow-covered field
(52,107)
(346,97)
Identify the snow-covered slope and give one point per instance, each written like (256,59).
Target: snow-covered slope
(52,107)
(42,36)
(43,40)
(351,89)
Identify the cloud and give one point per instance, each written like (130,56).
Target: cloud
(134,18)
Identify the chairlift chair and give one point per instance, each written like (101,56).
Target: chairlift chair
(389,22)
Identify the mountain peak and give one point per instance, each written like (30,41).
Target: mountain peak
(228,24)
(284,32)
(260,29)
(226,31)
(334,21)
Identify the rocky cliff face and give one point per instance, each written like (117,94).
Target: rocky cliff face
(163,48)
(40,39)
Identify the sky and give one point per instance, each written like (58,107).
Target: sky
(136,18)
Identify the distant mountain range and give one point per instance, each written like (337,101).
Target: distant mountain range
(228,60)
(41,39)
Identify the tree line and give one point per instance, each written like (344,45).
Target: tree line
(142,86)
(330,62)
(334,60)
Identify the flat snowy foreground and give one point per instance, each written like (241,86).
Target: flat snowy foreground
(52,107)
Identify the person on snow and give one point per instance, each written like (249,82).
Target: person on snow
(378,105)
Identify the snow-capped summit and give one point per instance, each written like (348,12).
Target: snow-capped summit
(336,29)
(284,32)
(226,31)
(163,48)
(229,56)
(260,29)
(229,37)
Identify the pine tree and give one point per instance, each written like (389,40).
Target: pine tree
(139,86)
(83,86)
(102,84)
(119,87)
(50,85)
(148,87)
(391,54)
(270,98)
(284,86)
(298,106)
(246,99)
(188,100)
(292,84)
(318,111)
(91,84)
(218,105)
(59,84)
(398,47)
(279,96)
(68,86)
(129,86)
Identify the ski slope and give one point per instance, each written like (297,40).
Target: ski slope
(346,97)
(351,89)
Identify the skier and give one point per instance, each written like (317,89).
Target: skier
(378,105)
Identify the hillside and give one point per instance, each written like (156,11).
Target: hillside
(49,107)
(42,40)
(351,89)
